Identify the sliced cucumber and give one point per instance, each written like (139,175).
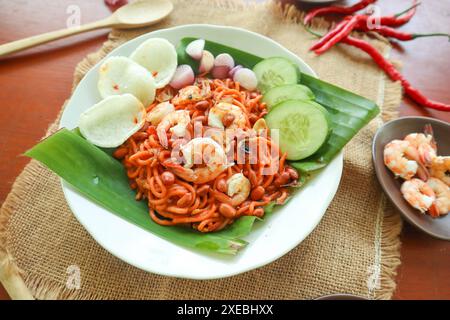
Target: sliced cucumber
(275,72)
(303,127)
(287,92)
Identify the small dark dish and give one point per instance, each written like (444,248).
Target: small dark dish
(398,129)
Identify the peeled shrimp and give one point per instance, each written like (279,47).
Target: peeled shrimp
(441,206)
(238,188)
(225,114)
(165,94)
(176,122)
(204,160)
(425,145)
(398,157)
(418,194)
(440,168)
(159,112)
(192,94)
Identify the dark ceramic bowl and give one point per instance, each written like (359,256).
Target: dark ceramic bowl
(398,129)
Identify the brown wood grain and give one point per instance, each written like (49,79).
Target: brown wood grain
(35,83)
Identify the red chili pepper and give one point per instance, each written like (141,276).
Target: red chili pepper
(333,9)
(399,35)
(344,31)
(396,20)
(401,18)
(395,75)
(115,4)
(329,35)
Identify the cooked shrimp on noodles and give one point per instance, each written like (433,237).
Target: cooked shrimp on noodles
(195,180)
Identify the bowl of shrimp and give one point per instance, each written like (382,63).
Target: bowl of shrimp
(412,163)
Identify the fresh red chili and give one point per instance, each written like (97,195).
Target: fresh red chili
(399,35)
(344,28)
(115,4)
(401,18)
(333,9)
(344,31)
(329,35)
(395,75)
(395,20)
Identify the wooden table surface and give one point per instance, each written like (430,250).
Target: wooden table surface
(35,83)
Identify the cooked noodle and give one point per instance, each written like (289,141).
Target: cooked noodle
(205,206)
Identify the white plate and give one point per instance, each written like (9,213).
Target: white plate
(268,241)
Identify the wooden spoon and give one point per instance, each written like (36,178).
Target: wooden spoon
(134,15)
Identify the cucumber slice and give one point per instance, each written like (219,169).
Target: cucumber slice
(275,72)
(304,126)
(287,92)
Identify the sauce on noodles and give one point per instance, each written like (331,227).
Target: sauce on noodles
(205,206)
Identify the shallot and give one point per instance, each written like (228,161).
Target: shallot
(224,59)
(246,78)
(220,72)
(233,71)
(207,62)
(222,66)
(195,49)
(184,76)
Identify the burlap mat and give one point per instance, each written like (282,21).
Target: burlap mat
(355,249)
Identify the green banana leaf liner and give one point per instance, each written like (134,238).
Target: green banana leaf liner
(98,176)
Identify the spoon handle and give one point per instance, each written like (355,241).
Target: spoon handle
(33,41)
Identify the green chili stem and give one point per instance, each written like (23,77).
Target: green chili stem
(407,10)
(419,35)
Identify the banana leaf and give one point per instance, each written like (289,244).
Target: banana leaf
(99,177)
(240,57)
(102,179)
(349,112)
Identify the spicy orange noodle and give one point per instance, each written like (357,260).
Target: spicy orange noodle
(206,196)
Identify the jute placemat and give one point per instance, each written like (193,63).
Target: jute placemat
(355,249)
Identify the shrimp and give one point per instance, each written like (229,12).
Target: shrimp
(206,155)
(227,115)
(440,168)
(159,112)
(192,94)
(418,194)
(441,206)
(399,157)
(238,188)
(165,94)
(176,122)
(424,143)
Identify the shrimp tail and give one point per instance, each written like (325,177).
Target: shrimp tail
(422,172)
(429,155)
(428,130)
(171,164)
(434,211)
(163,138)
